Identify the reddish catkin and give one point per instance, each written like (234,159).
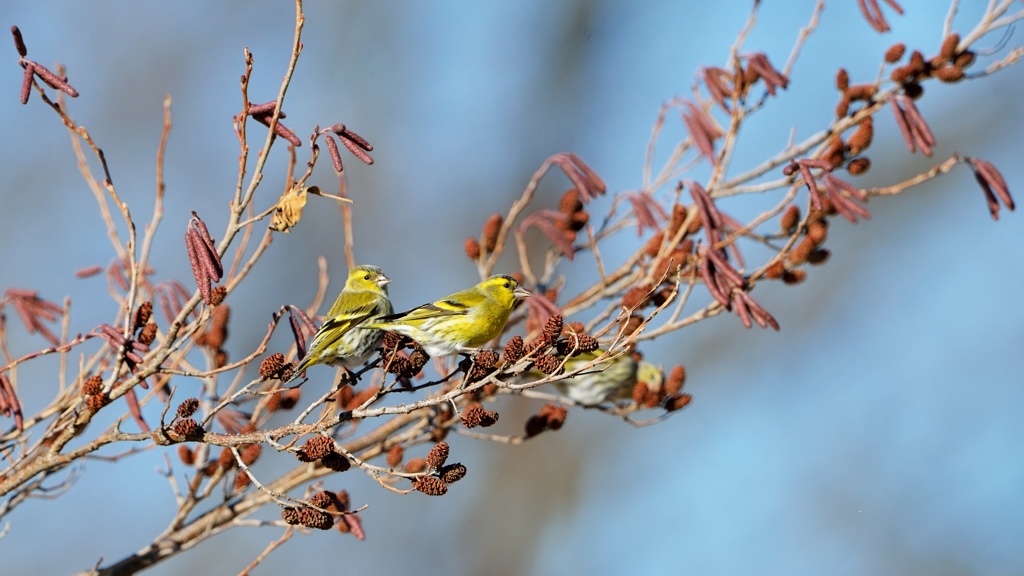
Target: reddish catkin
(917,62)
(88,271)
(489,235)
(637,297)
(535,425)
(862,136)
(357,147)
(362,397)
(902,74)
(653,245)
(858,166)
(472,248)
(678,402)
(554,414)
(19,42)
(220,358)
(843,108)
(861,92)
(676,379)
(964,59)
(332,149)
(913,90)
(250,453)
(836,153)
(416,465)
(570,202)
(186,455)
(790,219)
(948,49)
(775,270)
(819,256)
(395,455)
(842,79)
(576,222)
(631,324)
(574,327)
(289,399)
(242,481)
(817,231)
(895,53)
(641,394)
(217,333)
(226,459)
(26,84)
(950,74)
(794,276)
(799,253)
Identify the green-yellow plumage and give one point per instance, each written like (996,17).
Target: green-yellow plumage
(343,338)
(613,380)
(461,321)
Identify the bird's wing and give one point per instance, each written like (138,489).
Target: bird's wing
(360,303)
(338,323)
(431,310)
(348,319)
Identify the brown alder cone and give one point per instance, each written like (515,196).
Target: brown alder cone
(452,473)
(430,485)
(188,429)
(188,407)
(438,455)
(92,385)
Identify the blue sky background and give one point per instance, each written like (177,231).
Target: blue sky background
(878,432)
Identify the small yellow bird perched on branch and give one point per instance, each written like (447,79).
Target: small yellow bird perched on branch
(613,380)
(459,322)
(343,338)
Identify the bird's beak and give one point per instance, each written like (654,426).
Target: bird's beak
(521,292)
(383,280)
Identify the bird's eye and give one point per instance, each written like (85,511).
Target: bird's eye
(508,284)
(367,277)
